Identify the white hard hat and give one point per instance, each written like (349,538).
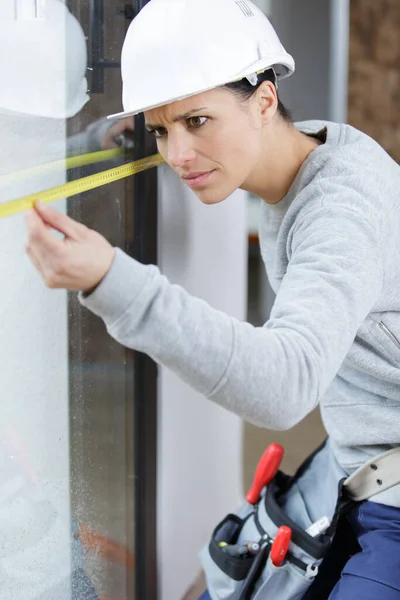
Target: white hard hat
(43,71)
(178,48)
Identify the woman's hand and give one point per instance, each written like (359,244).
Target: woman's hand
(124,127)
(79,262)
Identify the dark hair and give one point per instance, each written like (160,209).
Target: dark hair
(245,90)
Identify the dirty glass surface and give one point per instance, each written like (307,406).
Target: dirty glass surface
(66,416)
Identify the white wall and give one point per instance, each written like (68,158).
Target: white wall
(35,519)
(34,431)
(304,29)
(316,34)
(204,249)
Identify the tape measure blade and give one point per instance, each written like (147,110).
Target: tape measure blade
(79,186)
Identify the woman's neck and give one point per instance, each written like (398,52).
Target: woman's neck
(284,151)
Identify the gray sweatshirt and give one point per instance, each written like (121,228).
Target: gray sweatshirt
(330,249)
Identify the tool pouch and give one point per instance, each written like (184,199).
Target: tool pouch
(298,501)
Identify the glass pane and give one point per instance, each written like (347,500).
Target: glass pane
(66,424)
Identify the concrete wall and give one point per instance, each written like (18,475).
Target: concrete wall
(204,249)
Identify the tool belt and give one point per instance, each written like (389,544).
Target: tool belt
(273,548)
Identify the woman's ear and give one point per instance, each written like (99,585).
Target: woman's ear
(267,100)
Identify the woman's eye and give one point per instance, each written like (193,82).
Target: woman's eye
(159,132)
(197,122)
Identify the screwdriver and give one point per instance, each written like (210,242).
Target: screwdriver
(280,545)
(266,470)
(245,592)
(277,552)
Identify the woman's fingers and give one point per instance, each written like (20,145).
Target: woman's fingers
(44,249)
(40,238)
(119,127)
(34,259)
(59,221)
(78,262)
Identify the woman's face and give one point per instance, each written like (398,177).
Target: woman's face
(211,140)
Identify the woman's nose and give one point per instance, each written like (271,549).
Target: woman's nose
(180,151)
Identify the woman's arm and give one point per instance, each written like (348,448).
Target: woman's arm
(272,375)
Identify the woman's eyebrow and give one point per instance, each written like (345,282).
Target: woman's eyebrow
(151,126)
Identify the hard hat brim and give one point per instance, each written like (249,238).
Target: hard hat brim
(283,69)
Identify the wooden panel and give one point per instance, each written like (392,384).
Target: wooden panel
(374,74)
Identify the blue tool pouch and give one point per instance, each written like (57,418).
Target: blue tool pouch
(298,501)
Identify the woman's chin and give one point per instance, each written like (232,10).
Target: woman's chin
(212,196)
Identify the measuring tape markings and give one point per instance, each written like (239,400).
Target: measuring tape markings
(72,188)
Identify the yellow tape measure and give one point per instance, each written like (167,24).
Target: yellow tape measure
(72,188)
(71,162)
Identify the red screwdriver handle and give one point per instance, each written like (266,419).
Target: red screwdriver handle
(280,545)
(266,470)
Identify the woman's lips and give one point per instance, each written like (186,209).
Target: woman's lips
(196,178)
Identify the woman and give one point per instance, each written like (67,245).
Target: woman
(328,233)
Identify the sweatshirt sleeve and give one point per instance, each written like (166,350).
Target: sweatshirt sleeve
(273,375)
